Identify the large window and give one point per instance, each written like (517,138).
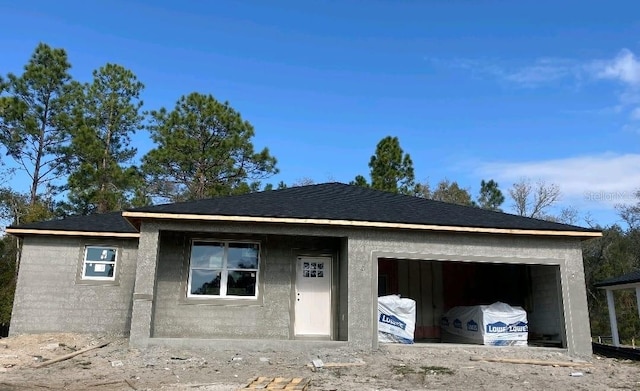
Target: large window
(223,269)
(99,263)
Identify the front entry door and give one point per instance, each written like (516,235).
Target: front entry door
(313,297)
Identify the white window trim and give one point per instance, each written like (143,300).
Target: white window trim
(84,263)
(224,271)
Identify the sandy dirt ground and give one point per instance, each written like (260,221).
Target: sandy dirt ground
(407,367)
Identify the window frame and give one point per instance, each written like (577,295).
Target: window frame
(224,270)
(83,266)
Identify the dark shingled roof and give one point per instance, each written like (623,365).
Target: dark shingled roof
(107,222)
(337,201)
(330,201)
(629,278)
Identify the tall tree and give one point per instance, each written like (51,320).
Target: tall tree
(423,190)
(391,168)
(612,255)
(360,181)
(490,196)
(281,185)
(204,150)
(32,113)
(533,200)
(8,277)
(106,114)
(451,192)
(15,208)
(630,213)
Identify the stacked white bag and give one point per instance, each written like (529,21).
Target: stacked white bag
(396,319)
(497,324)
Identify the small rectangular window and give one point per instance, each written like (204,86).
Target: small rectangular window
(223,269)
(99,263)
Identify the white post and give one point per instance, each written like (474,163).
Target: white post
(612,318)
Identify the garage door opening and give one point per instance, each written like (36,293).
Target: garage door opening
(437,286)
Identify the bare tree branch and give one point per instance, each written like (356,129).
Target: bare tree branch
(534,201)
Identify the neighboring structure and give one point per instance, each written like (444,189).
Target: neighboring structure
(295,267)
(626,281)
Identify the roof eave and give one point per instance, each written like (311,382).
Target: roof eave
(619,285)
(31,231)
(134,215)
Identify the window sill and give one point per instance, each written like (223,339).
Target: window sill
(254,302)
(97,282)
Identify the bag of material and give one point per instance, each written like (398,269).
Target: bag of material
(497,324)
(396,319)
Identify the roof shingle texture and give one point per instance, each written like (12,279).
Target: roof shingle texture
(337,201)
(106,222)
(330,201)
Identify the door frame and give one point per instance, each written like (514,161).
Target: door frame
(333,293)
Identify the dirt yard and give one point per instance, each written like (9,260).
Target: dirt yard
(24,365)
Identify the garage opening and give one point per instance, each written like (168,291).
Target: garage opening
(438,286)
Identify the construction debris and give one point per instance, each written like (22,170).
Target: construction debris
(70,355)
(335,364)
(531,362)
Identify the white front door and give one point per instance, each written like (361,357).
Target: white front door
(313,297)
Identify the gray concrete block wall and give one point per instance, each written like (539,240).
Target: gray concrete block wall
(343,291)
(144,288)
(49,299)
(574,296)
(565,252)
(365,246)
(545,316)
(175,316)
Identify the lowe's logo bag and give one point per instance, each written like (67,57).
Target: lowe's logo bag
(396,319)
(393,321)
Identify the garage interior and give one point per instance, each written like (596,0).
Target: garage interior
(437,286)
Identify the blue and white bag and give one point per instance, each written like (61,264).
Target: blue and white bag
(396,319)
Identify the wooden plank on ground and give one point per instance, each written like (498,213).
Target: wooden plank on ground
(279,383)
(71,355)
(532,362)
(298,384)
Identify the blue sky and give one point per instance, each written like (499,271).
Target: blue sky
(473,89)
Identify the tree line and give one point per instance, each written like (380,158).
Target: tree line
(391,169)
(74,138)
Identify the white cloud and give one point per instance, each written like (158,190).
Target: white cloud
(625,68)
(541,72)
(596,181)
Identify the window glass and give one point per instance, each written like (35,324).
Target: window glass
(223,269)
(205,282)
(207,254)
(98,270)
(243,256)
(241,283)
(101,254)
(99,263)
